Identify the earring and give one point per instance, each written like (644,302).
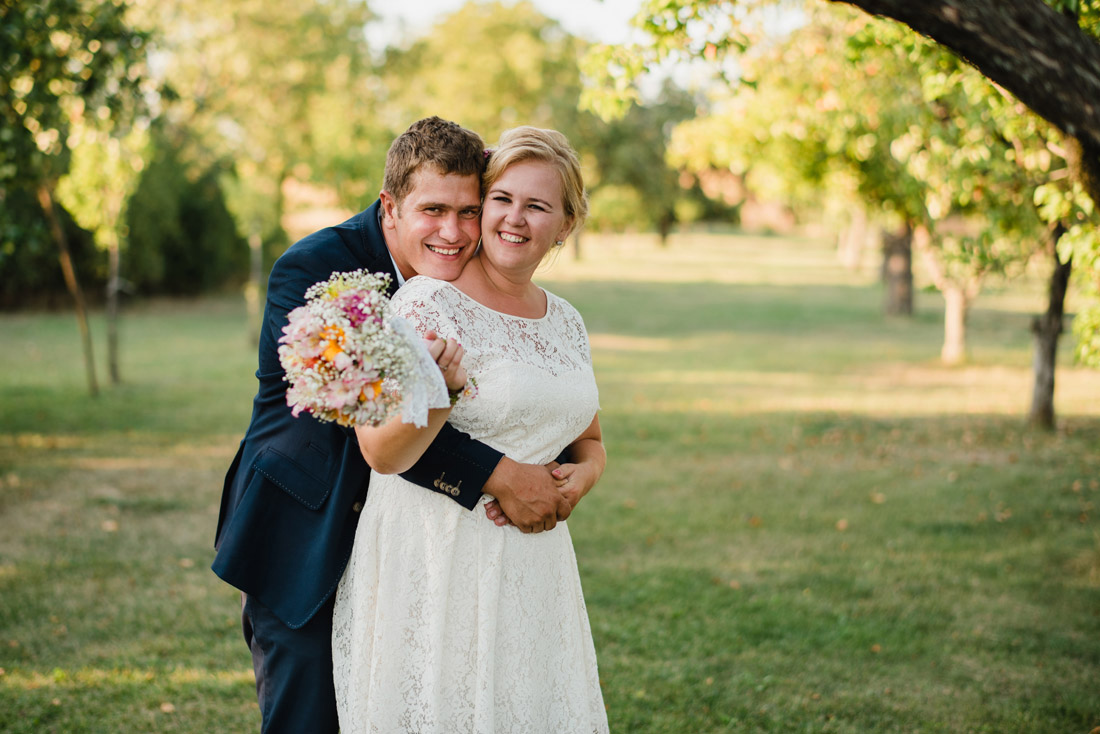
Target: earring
(558,243)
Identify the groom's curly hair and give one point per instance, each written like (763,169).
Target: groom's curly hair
(446,147)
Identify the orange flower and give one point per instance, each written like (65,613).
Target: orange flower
(376,387)
(335,337)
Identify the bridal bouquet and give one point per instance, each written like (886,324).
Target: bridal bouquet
(348,361)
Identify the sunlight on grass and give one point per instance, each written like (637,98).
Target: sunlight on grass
(881,390)
(95,677)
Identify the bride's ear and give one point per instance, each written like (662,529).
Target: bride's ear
(566,229)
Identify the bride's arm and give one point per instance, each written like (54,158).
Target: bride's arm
(589,458)
(573,478)
(395,446)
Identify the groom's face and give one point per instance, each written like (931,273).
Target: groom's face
(435,230)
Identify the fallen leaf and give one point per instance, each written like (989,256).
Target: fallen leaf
(167,708)
(842,524)
(110,526)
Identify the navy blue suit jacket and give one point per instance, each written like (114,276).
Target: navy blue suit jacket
(293,494)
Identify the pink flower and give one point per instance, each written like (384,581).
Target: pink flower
(303,333)
(356,307)
(339,394)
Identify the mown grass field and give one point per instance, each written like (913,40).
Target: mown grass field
(807,524)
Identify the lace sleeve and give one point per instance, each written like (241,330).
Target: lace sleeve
(576,335)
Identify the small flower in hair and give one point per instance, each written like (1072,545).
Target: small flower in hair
(487,152)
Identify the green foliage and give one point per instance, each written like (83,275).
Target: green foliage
(676,30)
(282,89)
(102,174)
(62,61)
(64,64)
(632,151)
(616,208)
(182,238)
(885,114)
(30,274)
(513,66)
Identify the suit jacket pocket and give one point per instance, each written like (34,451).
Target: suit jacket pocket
(294,477)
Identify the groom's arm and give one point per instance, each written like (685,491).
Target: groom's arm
(455,465)
(464,468)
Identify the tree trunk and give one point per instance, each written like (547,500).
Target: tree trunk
(1047,328)
(1035,52)
(664,227)
(253,287)
(45,200)
(897,271)
(852,239)
(956,303)
(113,288)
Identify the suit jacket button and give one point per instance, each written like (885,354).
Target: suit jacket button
(357,507)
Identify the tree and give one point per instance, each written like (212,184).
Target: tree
(102,175)
(279,89)
(1045,53)
(849,107)
(1049,59)
(631,152)
(1015,44)
(512,66)
(62,62)
(181,236)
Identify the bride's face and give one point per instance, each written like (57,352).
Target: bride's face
(523,216)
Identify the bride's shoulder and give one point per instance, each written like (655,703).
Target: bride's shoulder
(566,309)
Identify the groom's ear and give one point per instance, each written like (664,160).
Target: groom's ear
(389,208)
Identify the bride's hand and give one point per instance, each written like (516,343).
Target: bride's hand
(574,481)
(449,360)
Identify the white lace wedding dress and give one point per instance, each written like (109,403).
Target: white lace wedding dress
(445,622)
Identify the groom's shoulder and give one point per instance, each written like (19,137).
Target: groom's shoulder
(339,246)
(347,233)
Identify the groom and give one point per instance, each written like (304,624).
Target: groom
(293,494)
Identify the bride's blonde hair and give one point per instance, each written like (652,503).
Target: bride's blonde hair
(528,143)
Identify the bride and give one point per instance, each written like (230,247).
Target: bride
(444,621)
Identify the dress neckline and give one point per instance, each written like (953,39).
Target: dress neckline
(470,298)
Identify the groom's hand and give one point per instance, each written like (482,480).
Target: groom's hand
(528,494)
(494,513)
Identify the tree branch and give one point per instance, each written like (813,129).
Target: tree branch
(1030,49)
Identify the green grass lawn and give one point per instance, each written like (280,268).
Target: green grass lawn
(806,525)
